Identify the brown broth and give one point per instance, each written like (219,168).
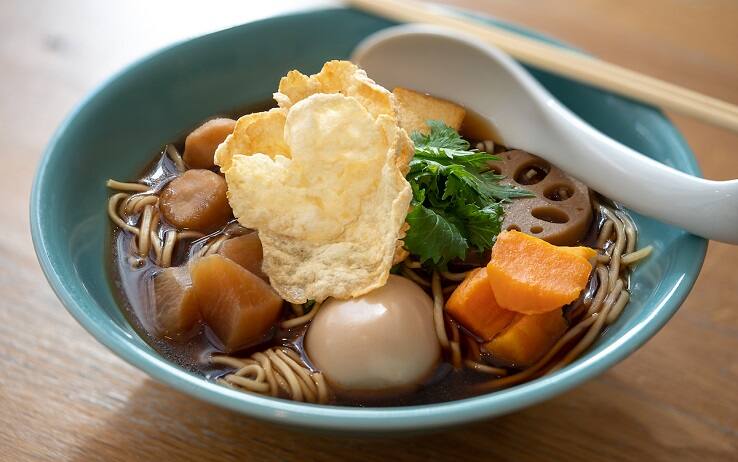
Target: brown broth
(132,288)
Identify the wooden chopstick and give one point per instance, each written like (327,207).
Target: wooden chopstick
(568,63)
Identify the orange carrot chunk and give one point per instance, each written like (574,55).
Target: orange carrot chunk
(527,339)
(473,305)
(584,252)
(530,276)
(237,305)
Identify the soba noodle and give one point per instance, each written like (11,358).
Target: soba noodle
(278,370)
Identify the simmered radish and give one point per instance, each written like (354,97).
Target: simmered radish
(237,305)
(196,200)
(200,145)
(176,310)
(246,251)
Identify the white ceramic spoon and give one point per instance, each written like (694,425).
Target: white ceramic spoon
(457,67)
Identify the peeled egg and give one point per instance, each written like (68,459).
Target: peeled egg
(382,340)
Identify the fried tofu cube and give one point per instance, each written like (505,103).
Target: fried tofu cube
(417,108)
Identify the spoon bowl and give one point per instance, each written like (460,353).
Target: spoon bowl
(528,117)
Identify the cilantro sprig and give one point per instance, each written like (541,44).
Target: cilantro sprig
(457,199)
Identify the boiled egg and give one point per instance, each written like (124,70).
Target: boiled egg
(382,340)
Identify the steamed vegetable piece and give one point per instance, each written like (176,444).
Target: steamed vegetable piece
(200,145)
(237,305)
(456,197)
(474,306)
(529,275)
(246,251)
(528,338)
(176,309)
(196,200)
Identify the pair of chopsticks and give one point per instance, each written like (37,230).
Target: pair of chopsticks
(564,62)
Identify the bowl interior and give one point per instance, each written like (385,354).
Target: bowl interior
(116,131)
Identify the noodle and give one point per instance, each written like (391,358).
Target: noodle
(438,302)
(120,186)
(605,234)
(603,278)
(487,146)
(456,277)
(295,390)
(298,321)
(212,247)
(634,257)
(170,238)
(618,246)
(603,258)
(479,367)
(412,275)
(156,243)
(188,234)
(630,231)
(113,213)
(274,370)
(455,347)
(176,158)
(618,307)
(412,264)
(145,231)
(249,384)
(266,364)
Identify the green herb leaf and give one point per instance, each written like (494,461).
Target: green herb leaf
(482,224)
(440,136)
(433,237)
(456,197)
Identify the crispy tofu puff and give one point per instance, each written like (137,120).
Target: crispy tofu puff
(323,184)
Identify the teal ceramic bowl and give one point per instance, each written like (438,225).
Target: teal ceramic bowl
(114,132)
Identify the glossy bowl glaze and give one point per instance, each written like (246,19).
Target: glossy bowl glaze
(114,132)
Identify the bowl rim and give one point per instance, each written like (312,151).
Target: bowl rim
(343,418)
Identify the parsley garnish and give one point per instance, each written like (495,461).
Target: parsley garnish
(456,197)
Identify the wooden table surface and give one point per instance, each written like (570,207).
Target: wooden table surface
(65,397)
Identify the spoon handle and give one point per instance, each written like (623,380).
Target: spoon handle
(707,208)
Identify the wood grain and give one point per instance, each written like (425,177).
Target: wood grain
(65,397)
